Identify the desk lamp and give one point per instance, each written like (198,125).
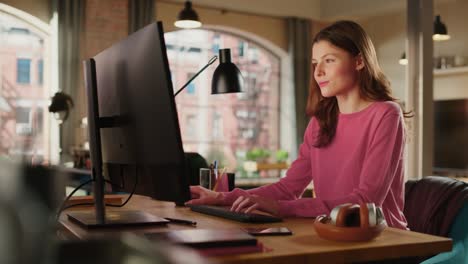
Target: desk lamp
(226,79)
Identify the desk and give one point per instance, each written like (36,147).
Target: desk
(302,247)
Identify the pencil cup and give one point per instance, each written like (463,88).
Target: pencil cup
(224,183)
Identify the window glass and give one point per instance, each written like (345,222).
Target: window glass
(23,69)
(225,125)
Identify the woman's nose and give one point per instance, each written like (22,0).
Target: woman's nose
(318,70)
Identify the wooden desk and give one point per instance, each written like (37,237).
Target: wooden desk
(302,247)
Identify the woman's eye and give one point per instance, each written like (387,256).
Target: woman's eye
(329,60)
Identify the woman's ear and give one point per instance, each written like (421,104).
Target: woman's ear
(359,62)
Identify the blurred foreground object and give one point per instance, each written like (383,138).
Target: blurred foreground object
(61,105)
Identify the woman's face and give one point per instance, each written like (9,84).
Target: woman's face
(335,70)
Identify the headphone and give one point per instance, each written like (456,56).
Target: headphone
(351,222)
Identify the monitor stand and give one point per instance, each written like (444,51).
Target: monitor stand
(116,219)
(101,218)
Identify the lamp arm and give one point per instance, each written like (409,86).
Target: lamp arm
(211,61)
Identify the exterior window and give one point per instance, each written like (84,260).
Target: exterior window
(220,126)
(26,128)
(241,48)
(216,44)
(23,68)
(191,87)
(23,121)
(40,72)
(39,126)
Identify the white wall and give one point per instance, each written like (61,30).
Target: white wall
(388,32)
(38,8)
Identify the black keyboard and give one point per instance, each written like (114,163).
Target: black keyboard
(224,212)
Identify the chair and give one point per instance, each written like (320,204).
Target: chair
(442,196)
(459,235)
(195,161)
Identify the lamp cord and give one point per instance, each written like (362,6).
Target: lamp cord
(211,61)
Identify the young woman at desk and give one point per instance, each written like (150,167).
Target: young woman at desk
(353,145)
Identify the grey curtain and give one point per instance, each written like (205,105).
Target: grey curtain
(300,48)
(70,17)
(140,14)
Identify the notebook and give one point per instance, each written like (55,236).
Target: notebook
(206,238)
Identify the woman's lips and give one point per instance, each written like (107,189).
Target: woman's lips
(322,84)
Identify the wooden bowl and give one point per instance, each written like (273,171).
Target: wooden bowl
(329,231)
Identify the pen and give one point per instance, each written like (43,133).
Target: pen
(216,169)
(181,221)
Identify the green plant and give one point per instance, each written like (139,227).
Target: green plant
(257,154)
(282,155)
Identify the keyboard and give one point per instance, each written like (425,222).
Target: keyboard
(224,212)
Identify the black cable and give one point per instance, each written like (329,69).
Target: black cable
(131,194)
(62,206)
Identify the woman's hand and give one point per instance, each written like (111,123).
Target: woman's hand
(247,204)
(202,195)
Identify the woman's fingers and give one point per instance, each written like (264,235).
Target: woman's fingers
(239,203)
(245,203)
(251,208)
(236,203)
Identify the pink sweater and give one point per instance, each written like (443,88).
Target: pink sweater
(364,163)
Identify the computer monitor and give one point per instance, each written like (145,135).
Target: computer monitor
(134,131)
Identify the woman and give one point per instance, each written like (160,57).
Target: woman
(353,145)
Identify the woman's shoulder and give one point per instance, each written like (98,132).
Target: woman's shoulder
(387,107)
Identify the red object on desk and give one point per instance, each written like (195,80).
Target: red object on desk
(222,184)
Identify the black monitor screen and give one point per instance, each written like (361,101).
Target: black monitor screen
(141,142)
(451,134)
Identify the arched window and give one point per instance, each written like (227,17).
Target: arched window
(25,86)
(225,127)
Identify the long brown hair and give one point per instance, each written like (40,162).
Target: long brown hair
(373,84)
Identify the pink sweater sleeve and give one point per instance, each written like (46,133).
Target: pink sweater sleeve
(380,165)
(379,169)
(290,187)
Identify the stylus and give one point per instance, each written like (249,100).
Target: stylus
(181,221)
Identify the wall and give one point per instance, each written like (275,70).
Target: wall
(356,9)
(38,8)
(388,32)
(106,22)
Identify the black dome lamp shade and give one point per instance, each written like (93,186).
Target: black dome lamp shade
(188,18)
(440,30)
(227,78)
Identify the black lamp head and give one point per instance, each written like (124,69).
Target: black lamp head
(188,18)
(440,30)
(227,78)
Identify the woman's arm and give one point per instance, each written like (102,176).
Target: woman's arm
(290,187)
(378,172)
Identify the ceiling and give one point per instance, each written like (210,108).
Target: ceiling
(313,9)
